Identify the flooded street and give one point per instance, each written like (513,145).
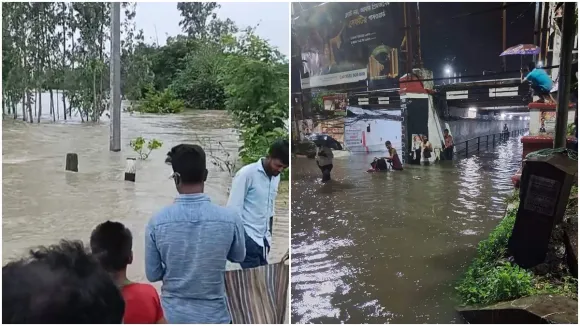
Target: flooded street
(43,204)
(389,247)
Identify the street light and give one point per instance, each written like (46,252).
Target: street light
(448,73)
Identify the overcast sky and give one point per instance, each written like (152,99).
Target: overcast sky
(274,20)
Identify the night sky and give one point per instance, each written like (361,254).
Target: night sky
(472,44)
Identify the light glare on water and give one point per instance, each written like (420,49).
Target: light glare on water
(390,247)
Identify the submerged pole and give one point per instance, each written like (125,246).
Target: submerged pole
(568,34)
(115,135)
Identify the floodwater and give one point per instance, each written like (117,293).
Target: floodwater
(43,204)
(390,247)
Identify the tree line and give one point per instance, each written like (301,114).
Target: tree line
(214,64)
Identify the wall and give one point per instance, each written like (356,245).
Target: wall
(358,138)
(465,129)
(436,128)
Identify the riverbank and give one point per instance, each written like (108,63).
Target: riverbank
(493,278)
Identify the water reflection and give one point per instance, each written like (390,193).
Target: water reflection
(388,247)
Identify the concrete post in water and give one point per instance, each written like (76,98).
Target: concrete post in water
(130,169)
(568,34)
(72,162)
(115,136)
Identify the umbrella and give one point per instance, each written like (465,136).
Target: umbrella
(325,140)
(521,49)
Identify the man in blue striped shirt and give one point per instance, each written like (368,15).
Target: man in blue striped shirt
(187,245)
(253,196)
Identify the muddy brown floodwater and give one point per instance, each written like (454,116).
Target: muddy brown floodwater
(390,247)
(43,204)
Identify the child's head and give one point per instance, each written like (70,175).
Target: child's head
(111,243)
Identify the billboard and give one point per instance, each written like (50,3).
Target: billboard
(348,42)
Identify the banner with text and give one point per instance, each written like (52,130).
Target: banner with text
(337,39)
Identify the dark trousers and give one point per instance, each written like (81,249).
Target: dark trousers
(417,157)
(256,256)
(448,153)
(325,171)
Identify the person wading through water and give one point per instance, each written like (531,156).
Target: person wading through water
(324,157)
(448,150)
(427,150)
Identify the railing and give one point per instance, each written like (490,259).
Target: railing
(476,145)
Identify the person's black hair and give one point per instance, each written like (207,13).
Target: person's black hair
(112,243)
(189,161)
(279,150)
(387,143)
(60,284)
(531,66)
(444,130)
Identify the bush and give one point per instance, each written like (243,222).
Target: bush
(491,278)
(160,102)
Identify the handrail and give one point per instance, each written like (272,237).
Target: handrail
(503,136)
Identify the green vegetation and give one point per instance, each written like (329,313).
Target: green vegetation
(214,65)
(492,278)
(160,102)
(144,147)
(571,129)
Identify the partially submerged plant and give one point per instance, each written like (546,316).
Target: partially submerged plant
(218,155)
(144,147)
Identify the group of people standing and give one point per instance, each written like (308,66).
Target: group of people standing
(187,245)
(421,151)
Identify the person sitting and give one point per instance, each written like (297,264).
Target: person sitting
(393,157)
(111,243)
(540,82)
(60,284)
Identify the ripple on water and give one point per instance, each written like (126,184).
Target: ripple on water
(42,204)
(376,248)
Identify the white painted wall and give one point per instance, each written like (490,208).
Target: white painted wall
(381,130)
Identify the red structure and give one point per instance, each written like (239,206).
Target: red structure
(538,142)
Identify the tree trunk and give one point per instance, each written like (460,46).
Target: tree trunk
(95,104)
(14,110)
(24,106)
(57,107)
(63,85)
(39,105)
(63,105)
(30,116)
(52,105)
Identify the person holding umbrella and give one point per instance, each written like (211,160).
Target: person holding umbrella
(324,158)
(540,82)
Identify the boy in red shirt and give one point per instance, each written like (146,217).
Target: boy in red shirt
(111,244)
